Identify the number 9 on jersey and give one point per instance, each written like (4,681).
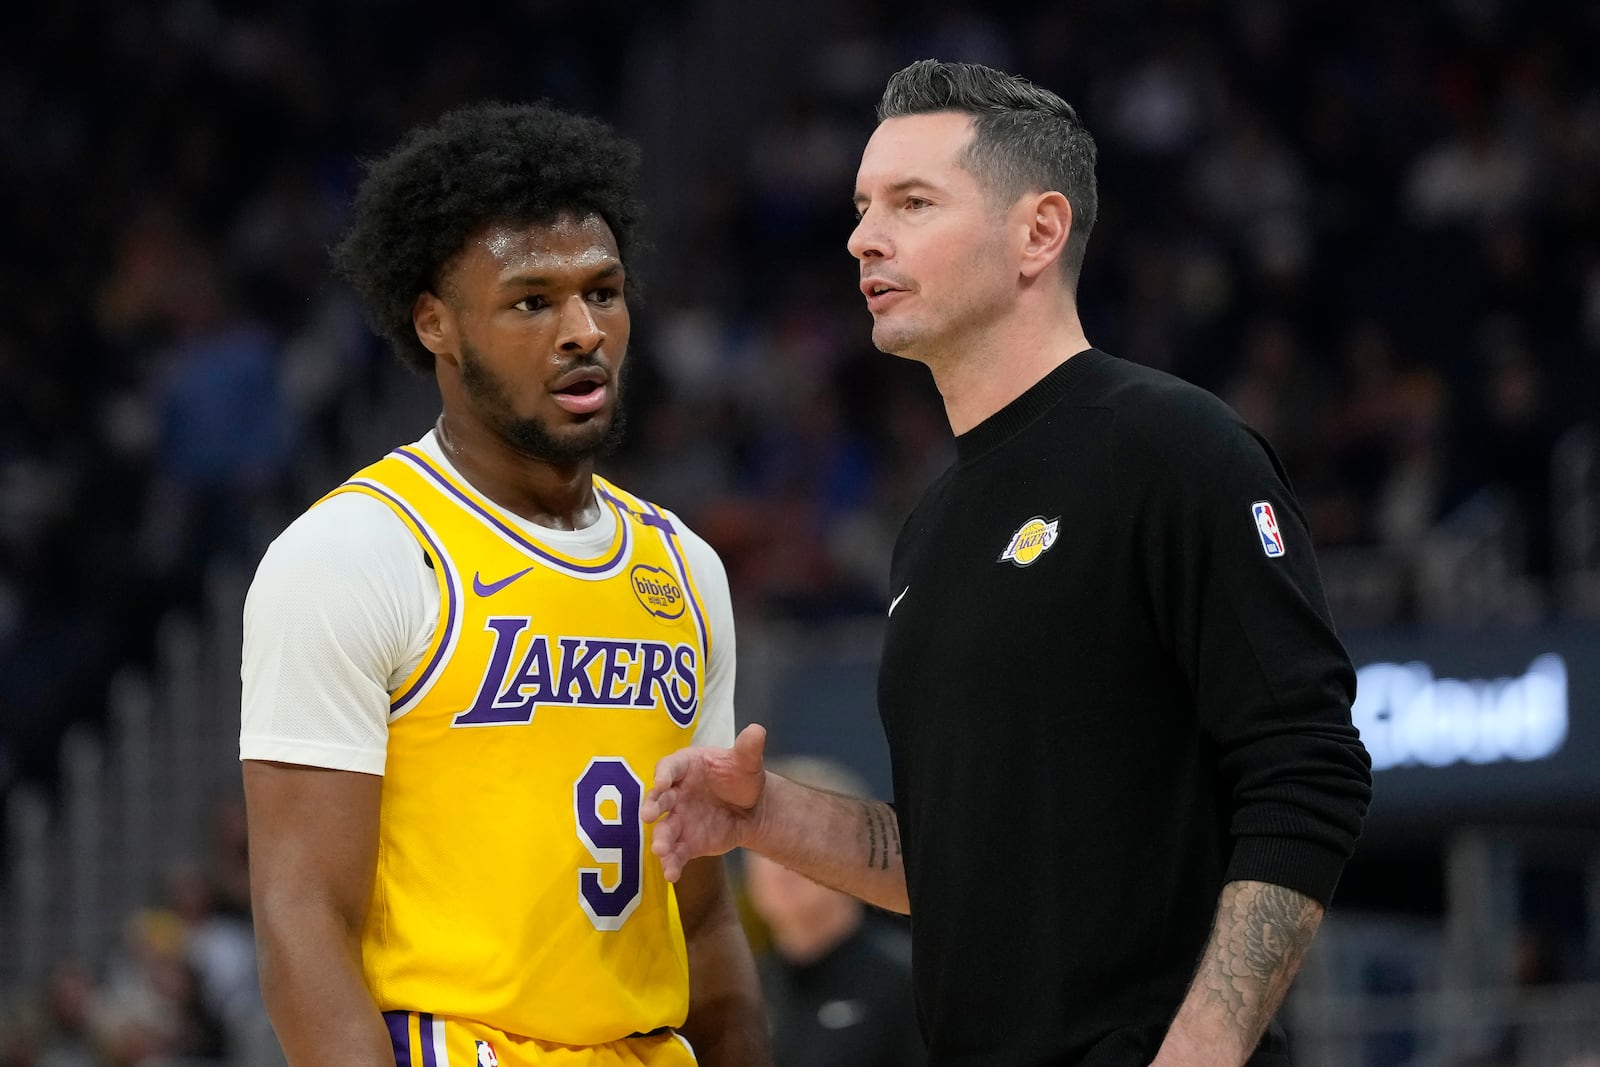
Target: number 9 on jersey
(607,797)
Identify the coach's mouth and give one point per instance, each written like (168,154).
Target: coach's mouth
(880,293)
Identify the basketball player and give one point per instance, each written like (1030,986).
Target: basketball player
(1117,712)
(461,664)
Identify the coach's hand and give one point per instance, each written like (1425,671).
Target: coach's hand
(706,800)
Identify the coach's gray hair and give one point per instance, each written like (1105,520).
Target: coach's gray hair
(1025,139)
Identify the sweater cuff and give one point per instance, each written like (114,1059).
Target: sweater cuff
(1307,867)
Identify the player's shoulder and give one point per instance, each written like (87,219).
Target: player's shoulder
(341,518)
(697,549)
(341,534)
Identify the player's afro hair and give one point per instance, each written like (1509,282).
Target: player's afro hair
(419,203)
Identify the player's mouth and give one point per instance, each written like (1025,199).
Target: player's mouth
(582,391)
(880,293)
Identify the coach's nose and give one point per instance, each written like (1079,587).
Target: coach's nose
(867,240)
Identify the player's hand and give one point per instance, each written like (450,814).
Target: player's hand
(706,800)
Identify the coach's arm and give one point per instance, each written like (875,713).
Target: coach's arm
(313,853)
(707,801)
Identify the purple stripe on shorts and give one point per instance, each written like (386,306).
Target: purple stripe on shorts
(398,1023)
(422,464)
(425,1031)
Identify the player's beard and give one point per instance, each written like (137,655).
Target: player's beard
(597,437)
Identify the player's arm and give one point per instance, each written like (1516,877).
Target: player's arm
(707,801)
(727,1021)
(313,850)
(338,603)
(1257,944)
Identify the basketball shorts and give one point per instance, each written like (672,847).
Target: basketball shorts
(425,1040)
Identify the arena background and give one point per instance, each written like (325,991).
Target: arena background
(1373,228)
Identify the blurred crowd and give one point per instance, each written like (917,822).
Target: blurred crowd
(177,987)
(1373,228)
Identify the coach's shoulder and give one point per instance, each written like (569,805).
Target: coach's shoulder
(1177,418)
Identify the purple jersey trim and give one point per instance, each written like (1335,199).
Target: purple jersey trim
(656,518)
(451,583)
(688,587)
(531,547)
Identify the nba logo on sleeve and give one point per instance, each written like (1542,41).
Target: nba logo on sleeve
(1267,527)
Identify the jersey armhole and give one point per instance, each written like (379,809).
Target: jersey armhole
(420,680)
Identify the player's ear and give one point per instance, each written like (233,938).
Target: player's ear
(435,324)
(1045,220)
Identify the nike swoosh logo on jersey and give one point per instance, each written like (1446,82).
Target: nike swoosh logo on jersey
(494,587)
(893,603)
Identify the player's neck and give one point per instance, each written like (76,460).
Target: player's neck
(557,495)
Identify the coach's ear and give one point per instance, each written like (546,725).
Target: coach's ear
(436,326)
(1043,220)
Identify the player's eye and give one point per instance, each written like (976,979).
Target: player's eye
(531,303)
(604,295)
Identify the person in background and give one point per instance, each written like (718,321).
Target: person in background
(837,979)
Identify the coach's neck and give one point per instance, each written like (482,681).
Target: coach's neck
(993,365)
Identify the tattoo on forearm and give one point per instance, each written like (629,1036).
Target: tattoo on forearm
(872,834)
(1261,937)
(883,834)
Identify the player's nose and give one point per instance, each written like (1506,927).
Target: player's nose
(578,329)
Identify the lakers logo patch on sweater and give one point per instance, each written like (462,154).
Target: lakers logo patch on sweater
(1032,540)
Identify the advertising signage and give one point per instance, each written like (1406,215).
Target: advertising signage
(1481,724)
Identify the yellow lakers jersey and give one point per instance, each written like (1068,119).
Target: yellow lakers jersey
(514,880)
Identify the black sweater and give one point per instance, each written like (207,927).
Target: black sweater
(1105,694)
